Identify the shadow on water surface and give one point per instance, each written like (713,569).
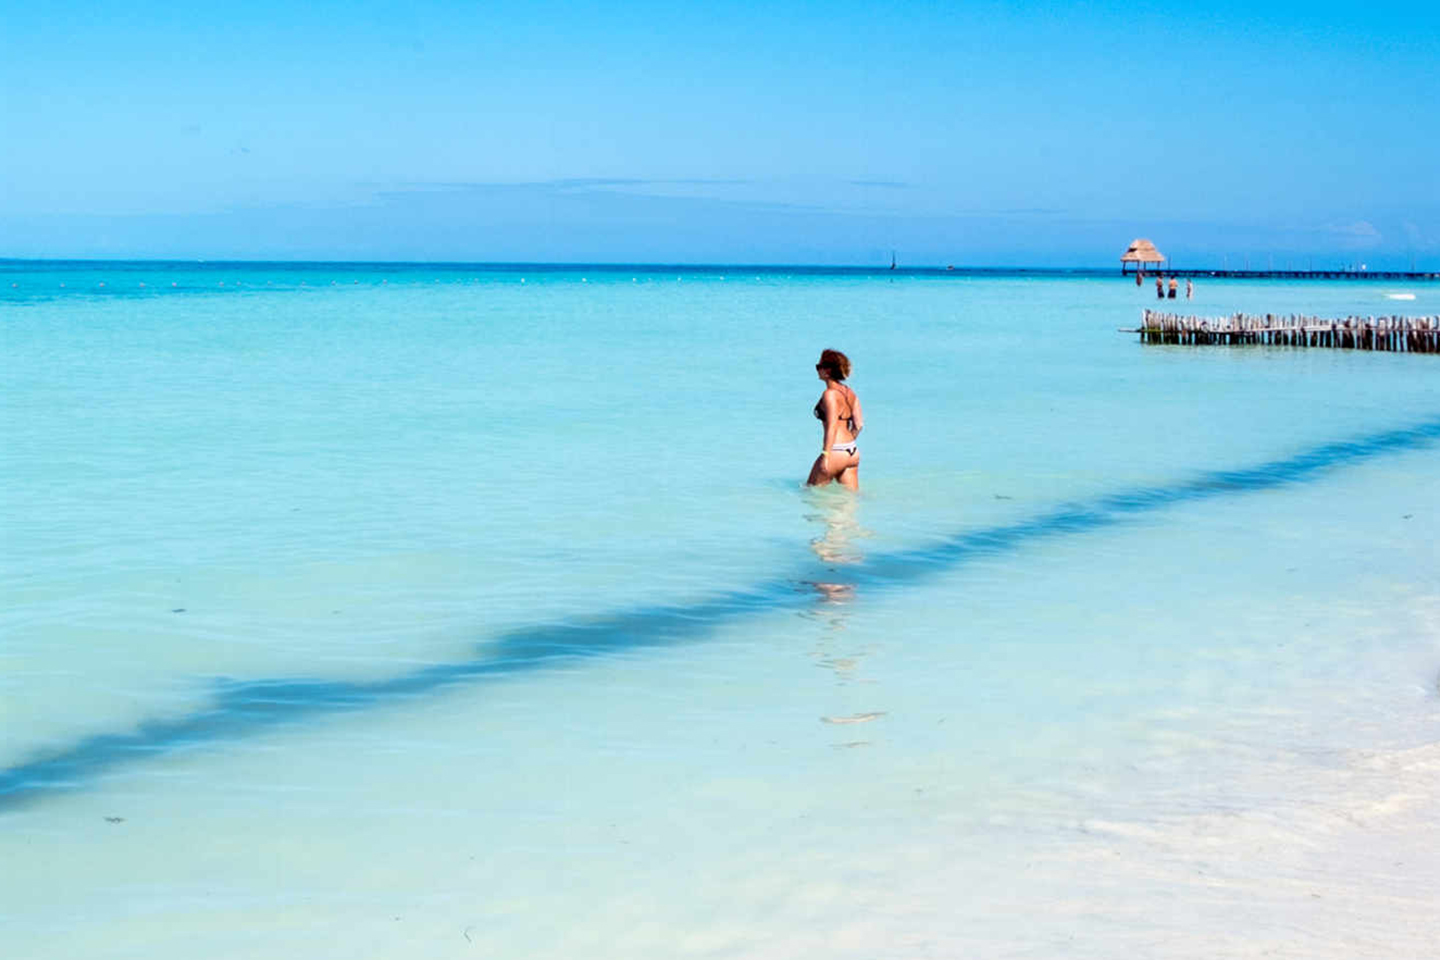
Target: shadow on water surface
(243,708)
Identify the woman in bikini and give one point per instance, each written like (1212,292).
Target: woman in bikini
(839,412)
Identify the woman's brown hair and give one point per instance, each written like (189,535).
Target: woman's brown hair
(834,364)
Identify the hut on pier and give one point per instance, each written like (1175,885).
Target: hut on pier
(1141,253)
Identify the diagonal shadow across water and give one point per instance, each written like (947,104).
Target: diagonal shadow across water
(242,708)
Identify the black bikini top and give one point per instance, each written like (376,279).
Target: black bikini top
(849,418)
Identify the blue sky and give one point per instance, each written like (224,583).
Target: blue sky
(967,133)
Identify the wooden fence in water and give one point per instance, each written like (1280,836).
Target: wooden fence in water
(1404,334)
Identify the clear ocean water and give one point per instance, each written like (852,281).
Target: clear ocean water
(439,611)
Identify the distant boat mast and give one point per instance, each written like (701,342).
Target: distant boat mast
(892,259)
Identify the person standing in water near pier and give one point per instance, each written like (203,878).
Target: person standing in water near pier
(838,411)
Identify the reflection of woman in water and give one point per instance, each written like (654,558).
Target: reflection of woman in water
(838,546)
(839,412)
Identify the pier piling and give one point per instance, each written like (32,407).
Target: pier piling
(1394,334)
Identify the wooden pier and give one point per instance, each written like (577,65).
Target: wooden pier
(1183,272)
(1396,334)
(1149,262)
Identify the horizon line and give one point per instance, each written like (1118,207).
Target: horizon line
(705,266)
(1344,273)
(596,264)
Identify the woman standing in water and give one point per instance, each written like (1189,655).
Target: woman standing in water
(839,412)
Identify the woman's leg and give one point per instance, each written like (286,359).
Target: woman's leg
(818,475)
(835,466)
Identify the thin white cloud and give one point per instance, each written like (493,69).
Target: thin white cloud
(1357,234)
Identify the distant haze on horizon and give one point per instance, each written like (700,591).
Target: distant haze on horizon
(978,134)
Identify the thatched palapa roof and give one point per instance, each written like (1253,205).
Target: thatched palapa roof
(1142,251)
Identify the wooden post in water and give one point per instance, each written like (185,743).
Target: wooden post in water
(1390,334)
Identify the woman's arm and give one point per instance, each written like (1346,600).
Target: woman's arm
(831,404)
(856,412)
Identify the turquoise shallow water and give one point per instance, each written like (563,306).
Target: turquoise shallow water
(480,611)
